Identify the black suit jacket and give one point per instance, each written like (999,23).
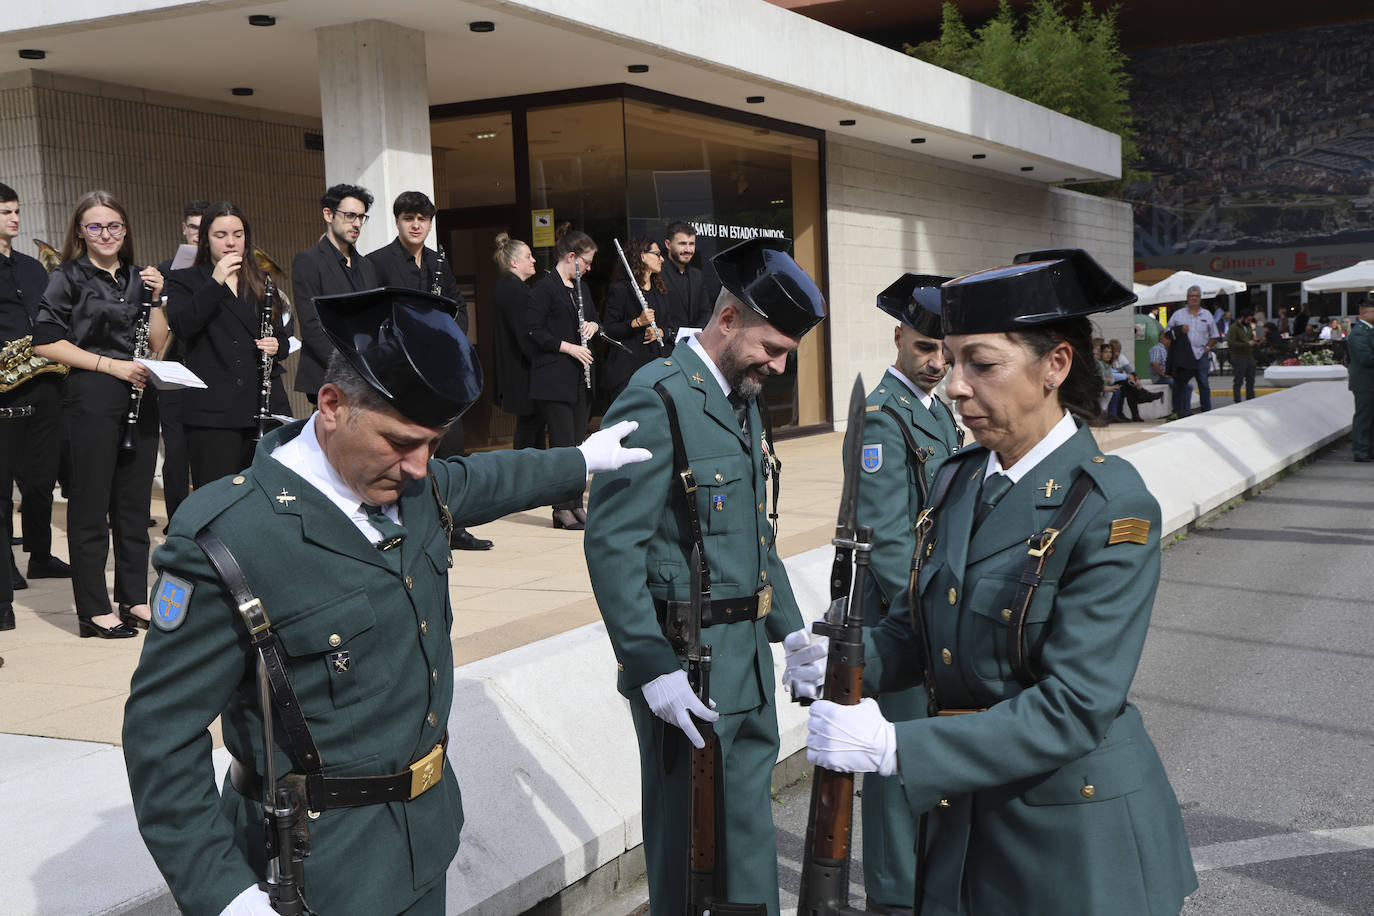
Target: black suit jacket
(319,271)
(511,347)
(550,319)
(622,307)
(687,305)
(395,267)
(217,330)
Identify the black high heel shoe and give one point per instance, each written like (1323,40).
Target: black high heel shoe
(118,631)
(130,619)
(564,518)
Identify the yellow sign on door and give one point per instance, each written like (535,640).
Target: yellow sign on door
(541,228)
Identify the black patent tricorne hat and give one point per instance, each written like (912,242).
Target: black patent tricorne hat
(915,301)
(408,347)
(1039,287)
(761,274)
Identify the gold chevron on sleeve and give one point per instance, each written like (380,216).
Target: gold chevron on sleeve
(1129,531)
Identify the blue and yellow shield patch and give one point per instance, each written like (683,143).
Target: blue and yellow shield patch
(872,458)
(170,601)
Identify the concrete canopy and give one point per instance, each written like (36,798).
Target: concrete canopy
(717,51)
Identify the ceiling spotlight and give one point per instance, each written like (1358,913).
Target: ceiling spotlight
(481,25)
(638,68)
(848,122)
(1028,168)
(484,135)
(32,54)
(241,90)
(980,155)
(755,100)
(262,20)
(918,139)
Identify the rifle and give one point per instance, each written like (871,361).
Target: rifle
(825,858)
(705,878)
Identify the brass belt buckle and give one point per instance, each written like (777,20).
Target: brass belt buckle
(765,602)
(1041,544)
(427,771)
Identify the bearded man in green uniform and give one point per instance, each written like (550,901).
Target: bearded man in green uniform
(640,536)
(907,430)
(339,531)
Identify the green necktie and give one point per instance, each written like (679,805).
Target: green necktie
(392,533)
(994,488)
(741,408)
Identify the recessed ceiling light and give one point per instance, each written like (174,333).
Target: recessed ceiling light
(755,100)
(484,135)
(918,139)
(980,155)
(261,20)
(241,90)
(847,122)
(481,25)
(638,68)
(777,203)
(32,54)
(1028,168)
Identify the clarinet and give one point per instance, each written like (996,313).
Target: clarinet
(440,262)
(581,322)
(145,317)
(265,360)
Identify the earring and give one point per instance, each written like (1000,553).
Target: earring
(1051,385)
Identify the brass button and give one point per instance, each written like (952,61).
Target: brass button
(761,542)
(313,815)
(239,479)
(432,719)
(424,627)
(410,583)
(947,656)
(953,596)
(434,676)
(1098,459)
(619,666)
(667,362)
(719,478)
(763,576)
(1088,791)
(944,803)
(1006,613)
(760,507)
(335,639)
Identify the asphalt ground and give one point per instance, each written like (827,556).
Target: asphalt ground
(1254,685)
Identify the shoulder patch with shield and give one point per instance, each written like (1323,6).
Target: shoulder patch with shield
(872,458)
(170,600)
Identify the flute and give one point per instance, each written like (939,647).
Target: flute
(265,359)
(639,293)
(141,329)
(581,321)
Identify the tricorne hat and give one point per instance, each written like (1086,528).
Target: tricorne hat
(1039,287)
(761,274)
(407,346)
(915,301)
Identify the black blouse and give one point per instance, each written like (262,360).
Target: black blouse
(91,308)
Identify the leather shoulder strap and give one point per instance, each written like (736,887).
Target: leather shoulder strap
(912,450)
(688,480)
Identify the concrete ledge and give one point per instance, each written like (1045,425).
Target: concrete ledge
(1284,376)
(542,742)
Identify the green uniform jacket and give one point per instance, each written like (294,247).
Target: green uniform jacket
(889,501)
(1057,803)
(1360,347)
(327,591)
(638,546)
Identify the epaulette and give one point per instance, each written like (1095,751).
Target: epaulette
(211,501)
(654,371)
(1112,474)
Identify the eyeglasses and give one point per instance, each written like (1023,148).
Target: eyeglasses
(94,230)
(655,252)
(350,217)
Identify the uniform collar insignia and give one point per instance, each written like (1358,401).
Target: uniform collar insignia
(285,498)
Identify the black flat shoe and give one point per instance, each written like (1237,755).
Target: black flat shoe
(49,568)
(17,582)
(129,619)
(464,539)
(564,518)
(581,514)
(118,631)
(7,617)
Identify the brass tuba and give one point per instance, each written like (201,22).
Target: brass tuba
(17,362)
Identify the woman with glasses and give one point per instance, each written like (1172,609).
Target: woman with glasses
(560,371)
(89,321)
(215,309)
(624,320)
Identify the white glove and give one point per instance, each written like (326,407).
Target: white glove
(851,739)
(602,450)
(670,698)
(805,655)
(253,901)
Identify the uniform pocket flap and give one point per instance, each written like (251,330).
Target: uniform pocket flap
(327,626)
(1109,772)
(994,597)
(718,472)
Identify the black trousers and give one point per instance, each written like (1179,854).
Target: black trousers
(31,451)
(108,482)
(529,430)
(176,459)
(216,452)
(567,424)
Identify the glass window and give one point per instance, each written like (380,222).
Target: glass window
(474,161)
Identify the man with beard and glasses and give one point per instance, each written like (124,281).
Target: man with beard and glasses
(638,555)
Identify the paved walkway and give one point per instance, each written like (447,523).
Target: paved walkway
(532,585)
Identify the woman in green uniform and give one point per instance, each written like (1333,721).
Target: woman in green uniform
(1042,791)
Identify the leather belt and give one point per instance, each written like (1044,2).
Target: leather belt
(355,791)
(725,610)
(14,413)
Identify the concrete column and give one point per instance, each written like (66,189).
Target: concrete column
(374,100)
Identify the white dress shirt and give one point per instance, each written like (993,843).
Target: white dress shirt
(307,459)
(1060,433)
